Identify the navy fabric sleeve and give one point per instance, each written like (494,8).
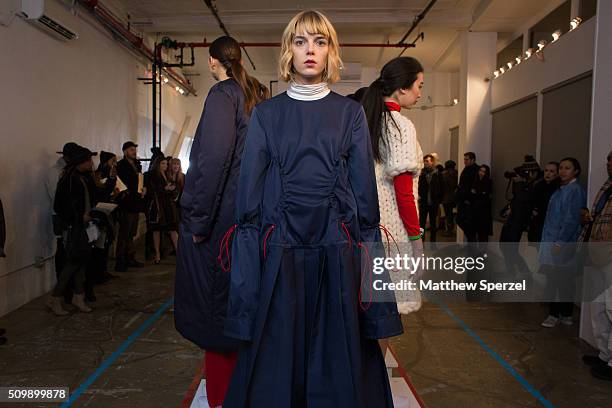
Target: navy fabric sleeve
(380,319)
(216,135)
(246,256)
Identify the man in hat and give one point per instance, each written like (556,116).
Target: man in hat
(74,200)
(51,180)
(131,204)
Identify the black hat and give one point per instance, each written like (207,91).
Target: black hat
(128,144)
(450,164)
(530,164)
(156,152)
(106,156)
(69,149)
(81,155)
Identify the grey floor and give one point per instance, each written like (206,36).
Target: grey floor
(449,367)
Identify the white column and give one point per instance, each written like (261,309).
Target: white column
(601,122)
(478,59)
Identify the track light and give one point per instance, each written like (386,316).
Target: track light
(181,91)
(542,44)
(556,35)
(496,73)
(518,60)
(502,70)
(455,101)
(575,23)
(528,53)
(510,65)
(165,80)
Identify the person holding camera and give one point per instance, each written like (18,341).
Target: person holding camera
(521,181)
(74,200)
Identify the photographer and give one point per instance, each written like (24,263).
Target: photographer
(521,182)
(74,199)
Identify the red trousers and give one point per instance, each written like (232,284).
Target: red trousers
(219,369)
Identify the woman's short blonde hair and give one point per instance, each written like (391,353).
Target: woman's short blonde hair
(311,22)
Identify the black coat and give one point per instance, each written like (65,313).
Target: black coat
(436,185)
(465,210)
(208,206)
(542,192)
(70,201)
(480,197)
(130,200)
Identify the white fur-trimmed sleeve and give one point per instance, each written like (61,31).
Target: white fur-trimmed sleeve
(404,151)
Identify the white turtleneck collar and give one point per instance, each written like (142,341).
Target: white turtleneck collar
(308,92)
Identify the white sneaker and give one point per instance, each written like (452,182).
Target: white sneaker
(550,322)
(567,321)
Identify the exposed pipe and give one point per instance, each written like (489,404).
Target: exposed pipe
(417,20)
(214,12)
(206,44)
(116,26)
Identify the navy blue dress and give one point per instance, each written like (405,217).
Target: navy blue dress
(208,209)
(306,182)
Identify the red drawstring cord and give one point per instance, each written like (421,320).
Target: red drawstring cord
(272,227)
(387,235)
(348,235)
(225,244)
(369,259)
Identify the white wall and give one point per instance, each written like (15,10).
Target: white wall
(568,57)
(53,92)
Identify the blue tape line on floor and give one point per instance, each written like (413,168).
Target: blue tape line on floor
(110,360)
(532,390)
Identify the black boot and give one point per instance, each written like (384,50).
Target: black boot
(120,265)
(133,263)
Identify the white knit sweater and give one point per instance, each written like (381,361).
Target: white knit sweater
(402,154)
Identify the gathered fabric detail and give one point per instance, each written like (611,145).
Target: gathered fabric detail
(268,233)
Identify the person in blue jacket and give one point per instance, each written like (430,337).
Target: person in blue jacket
(561,230)
(307,204)
(208,206)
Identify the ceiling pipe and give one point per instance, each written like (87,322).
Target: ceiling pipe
(415,23)
(206,44)
(116,26)
(214,12)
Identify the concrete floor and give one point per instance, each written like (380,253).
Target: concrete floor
(448,367)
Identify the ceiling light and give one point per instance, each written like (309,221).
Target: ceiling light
(528,53)
(165,80)
(455,101)
(181,91)
(496,73)
(510,65)
(502,70)
(542,44)
(177,88)
(556,35)
(575,22)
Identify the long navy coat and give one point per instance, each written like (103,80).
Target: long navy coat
(307,169)
(208,208)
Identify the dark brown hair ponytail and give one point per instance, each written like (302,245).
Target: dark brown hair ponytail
(227,51)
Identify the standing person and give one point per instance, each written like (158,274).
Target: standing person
(307,202)
(598,231)
(131,204)
(107,191)
(51,180)
(560,233)
(482,222)
(208,211)
(450,178)
(177,178)
(465,210)
(430,195)
(74,199)
(398,158)
(542,192)
(161,216)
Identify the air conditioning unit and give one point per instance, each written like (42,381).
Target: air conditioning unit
(33,11)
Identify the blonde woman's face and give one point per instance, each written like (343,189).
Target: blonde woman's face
(309,57)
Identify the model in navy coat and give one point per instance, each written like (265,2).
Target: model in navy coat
(208,208)
(307,181)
